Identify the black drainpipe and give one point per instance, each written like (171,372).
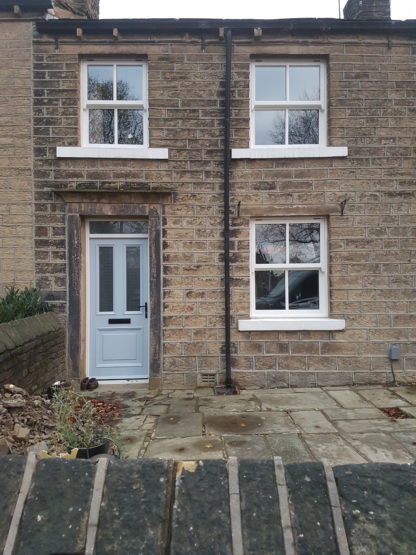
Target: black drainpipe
(227,294)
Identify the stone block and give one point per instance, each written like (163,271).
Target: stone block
(51,502)
(260,511)
(369,497)
(311,509)
(193,522)
(134,507)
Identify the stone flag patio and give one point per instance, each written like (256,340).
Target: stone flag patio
(341,425)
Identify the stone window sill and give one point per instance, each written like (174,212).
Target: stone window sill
(291,152)
(112,152)
(288,324)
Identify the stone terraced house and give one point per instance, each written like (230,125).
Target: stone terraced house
(198,197)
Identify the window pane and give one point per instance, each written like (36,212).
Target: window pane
(100,82)
(133,278)
(303,127)
(270,127)
(304,290)
(130,127)
(270,243)
(129,83)
(98,227)
(270,290)
(106,278)
(270,83)
(304,83)
(304,243)
(101,127)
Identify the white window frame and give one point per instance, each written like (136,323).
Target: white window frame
(322,266)
(87,105)
(320,104)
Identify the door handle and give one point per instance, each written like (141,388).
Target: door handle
(145,309)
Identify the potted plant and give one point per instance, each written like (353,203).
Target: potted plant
(78,425)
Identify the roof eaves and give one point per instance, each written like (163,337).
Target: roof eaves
(64,26)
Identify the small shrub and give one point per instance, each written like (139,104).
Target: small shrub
(21,304)
(77,421)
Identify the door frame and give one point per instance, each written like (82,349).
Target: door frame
(120,236)
(82,205)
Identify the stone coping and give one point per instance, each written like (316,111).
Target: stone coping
(18,332)
(206,506)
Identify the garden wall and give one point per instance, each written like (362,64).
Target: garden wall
(32,352)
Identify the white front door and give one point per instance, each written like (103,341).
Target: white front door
(118,297)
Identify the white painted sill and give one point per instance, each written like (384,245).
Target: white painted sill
(291,324)
(291,152)
(112,152)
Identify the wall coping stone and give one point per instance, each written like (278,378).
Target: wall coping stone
(18,332)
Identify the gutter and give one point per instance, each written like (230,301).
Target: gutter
(318,26)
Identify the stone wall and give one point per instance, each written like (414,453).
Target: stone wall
(16,154)
(371,110)
(32,352)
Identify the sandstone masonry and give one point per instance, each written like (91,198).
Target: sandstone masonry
(371,192)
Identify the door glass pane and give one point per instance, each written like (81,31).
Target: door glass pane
(303,127)
(129,83)
(304,83)
(100,228)
(270,83)
(270,290)
(106,279)
(100,82)
(270,127)
(133,278)
(130,127)
(101,127)
(270,243)
(304,243)
(303,289)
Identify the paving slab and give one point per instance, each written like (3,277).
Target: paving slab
(289,447)
(183,394)
(260,512)
(134,508)
(248,423)
(201,513)
(227,403)
(56,511)
(349,399)
(132,423)
(130,444)
(408,393)
(332,448)
(272,391)
(179,425)
(311,510)
(312,422)
(354,414)
(381,425)
(311,400)
(247,447)
(378,503)
(379,447)
(204,392)
(155,410)
(188,448)
(410,410)
(180,406)
(11,474)
(408,439)
(383,398)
